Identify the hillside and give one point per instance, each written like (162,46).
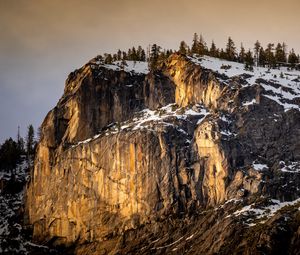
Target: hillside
(198,156)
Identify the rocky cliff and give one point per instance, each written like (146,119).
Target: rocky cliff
(198,156)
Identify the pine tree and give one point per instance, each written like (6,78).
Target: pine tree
(223,54)
(202,46)
(213,51)
(20,142)
(140,54)
(119,55)
(169,53)
(9,155)
(284,48)
(249,61)
(143,55)
(195,44)
(30,141)
(99,58)
(134,56)
(108,58)
(242,54)
(115,57)
(129,54)
(199,45)
(154,55)
(270,58)
(293,59)
(280,55)
(262,57)
(183,47)
(230,50)
(124,56)
(257,47)
(162,56)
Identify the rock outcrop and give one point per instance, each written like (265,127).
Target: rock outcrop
(127,153)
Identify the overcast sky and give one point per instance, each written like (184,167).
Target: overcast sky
(42,41)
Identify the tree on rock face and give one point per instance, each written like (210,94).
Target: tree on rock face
(230,50)
(183,48)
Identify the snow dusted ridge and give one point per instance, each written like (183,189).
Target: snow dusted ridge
(282,85)
(147,119)
(138,67)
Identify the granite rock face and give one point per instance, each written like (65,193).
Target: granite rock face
(124,153)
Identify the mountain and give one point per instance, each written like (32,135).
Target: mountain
(198,156)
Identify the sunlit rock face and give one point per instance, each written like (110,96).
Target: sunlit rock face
(193,83)
(127,148)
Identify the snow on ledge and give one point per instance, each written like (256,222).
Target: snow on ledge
(145,119)
(259,167)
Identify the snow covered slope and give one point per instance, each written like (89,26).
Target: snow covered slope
(138,67)
(281,85)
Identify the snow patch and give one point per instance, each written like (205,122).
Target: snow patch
(263,212)
(293,167)
(259,166)
(138,67)
(252,102)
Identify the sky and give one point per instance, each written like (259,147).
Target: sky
(41,41)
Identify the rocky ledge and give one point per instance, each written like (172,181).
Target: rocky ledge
(191,158)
